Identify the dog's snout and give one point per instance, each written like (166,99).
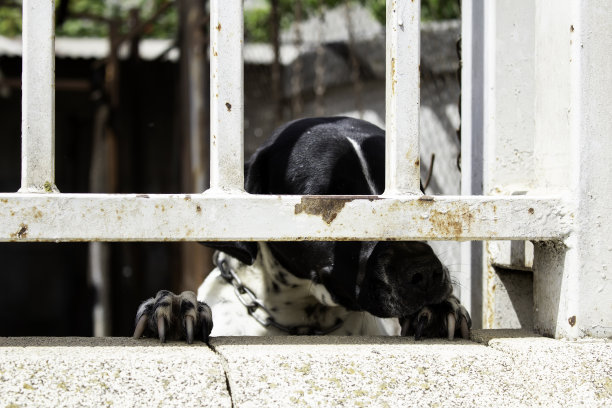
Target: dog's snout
(401,277)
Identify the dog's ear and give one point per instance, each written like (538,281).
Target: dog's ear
(255,173)
(244,251)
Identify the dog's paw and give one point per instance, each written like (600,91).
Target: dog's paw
(174,317)
(446,319)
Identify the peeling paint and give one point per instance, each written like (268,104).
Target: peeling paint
(327,208)
(22,232)
(451,222)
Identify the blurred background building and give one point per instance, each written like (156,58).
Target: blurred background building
(132,117)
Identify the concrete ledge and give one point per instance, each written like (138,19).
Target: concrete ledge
(95,372)
(499,368)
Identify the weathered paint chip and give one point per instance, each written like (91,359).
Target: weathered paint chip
(327,208)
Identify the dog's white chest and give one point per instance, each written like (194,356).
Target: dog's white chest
(290,300)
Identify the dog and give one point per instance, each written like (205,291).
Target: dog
(332,287)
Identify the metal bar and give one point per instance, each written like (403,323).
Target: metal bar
(227,95)
(472,133)
(61,217)
(38,100)
(403,97)
(572,286)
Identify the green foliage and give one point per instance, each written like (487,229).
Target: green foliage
(165,26)
(257,22)
(256,25)
(10,21)
(440,9)
(378,9)
(82,27)
(430,9)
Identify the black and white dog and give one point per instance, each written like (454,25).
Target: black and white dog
(338,288)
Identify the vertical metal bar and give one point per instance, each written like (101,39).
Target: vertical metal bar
(38,100)
(572,287)
(227,95)
(403,97)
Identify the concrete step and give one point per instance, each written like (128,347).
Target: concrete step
(509,368)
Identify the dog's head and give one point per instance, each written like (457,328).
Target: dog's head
(343,156)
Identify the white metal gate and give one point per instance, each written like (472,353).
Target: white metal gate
(39,212)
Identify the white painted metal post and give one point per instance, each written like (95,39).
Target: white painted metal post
(226,95)
(508,149)
(472,133)
(403,97)
(572,286)
(38,100)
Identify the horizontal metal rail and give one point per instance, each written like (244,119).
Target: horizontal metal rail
(207,217)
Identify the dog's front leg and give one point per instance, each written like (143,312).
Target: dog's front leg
(174,317)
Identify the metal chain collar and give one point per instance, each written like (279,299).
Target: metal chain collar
(259,311)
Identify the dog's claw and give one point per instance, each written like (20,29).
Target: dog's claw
(405,323)
(140,326)
(421,324)
(205,333)
(173,317)
(451,325)
(465,330)
(189,329)
(448,319)
(161,329)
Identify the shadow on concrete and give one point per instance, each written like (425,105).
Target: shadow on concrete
(477,336)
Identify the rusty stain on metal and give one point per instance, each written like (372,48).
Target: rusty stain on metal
(187,197)
(427,198)
(393,77)
(489,301)
(572,321)
(22,232)
(142,196)
(531,211)
(218,27)
(450,222)
(327,208)
(228,106)
(198,208)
